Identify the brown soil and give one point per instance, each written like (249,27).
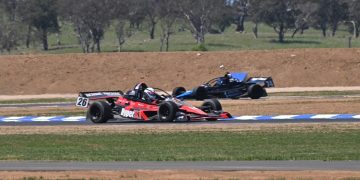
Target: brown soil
(177,174)
(71,73)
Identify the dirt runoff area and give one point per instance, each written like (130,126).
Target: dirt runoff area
(71,73)
(177,174)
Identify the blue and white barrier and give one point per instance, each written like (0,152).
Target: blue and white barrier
(235,118)
(296,117)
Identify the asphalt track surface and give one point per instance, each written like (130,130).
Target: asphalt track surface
(181,165)
(68,104)
(65,104)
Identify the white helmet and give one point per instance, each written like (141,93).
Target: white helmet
(150,93)
(131,93)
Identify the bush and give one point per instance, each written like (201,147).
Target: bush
(199,47)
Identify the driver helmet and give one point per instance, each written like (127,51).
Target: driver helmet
(228,75)
(150,93)
(131,93)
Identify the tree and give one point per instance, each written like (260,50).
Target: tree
(338,13)
(122,13)
(241,8)
(120,33)
(199,14)
(279,14)
(329,14)
(90,19)
(169,14)
(10,9)
(254,14)
(221,18)
(10,34)
(151,7)
(127,11)
(43,15)
(304,19)
(10,25)
(136,14)
(354,19)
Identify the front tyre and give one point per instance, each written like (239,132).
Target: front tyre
(99,112)
(211,105)
(167,111)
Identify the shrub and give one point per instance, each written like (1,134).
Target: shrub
(199,47)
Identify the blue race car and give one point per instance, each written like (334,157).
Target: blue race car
(233,85)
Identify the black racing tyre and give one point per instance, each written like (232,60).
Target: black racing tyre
(167,111)
(211,105)
(255,91)
(99,112)
(200,93)
(178,90)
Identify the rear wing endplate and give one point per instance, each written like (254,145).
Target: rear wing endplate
(262,81)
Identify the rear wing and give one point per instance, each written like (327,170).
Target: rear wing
(84,97)
(262,81)
(95,95)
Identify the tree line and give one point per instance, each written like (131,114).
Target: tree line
(23,22)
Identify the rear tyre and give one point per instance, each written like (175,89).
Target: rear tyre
(167,111)
(200,93)
(211,105)
(255,91)
(178,90)
(99,112)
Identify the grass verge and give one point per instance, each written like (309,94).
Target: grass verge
(190,146)
(230,40)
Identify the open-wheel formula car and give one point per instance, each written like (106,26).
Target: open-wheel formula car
(233,85)
(146,104)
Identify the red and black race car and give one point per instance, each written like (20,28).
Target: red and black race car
(146,104)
